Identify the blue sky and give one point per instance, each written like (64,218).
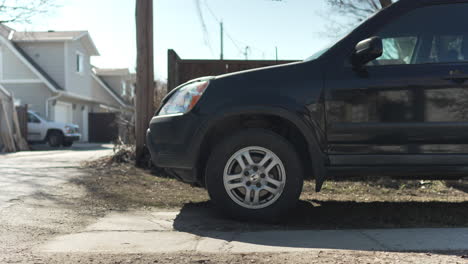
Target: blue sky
(295,26)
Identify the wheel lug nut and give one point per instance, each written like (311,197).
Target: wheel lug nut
(249,183)
(246,173)
(255,169)
(263,176)
(259,185)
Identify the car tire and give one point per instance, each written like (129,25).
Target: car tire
(262,190)
(55,139)
(67,144)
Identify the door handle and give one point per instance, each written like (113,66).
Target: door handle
(457,76)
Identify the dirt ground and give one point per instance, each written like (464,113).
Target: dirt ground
(322,257)
(368,203)
(70,207)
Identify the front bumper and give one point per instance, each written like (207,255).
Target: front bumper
(174,144)
(72,137)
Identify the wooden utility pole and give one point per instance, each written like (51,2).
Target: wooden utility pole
(221,26)
(246,52)
(144,105)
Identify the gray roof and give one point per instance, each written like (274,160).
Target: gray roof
(111,90)
(37,67)
(5,31)
(48,35)
(112,72)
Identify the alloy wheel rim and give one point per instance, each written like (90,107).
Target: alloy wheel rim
(254,177)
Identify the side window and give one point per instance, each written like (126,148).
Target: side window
(398,50)
(420,37)
(79,62)
(33,119)
(449,48)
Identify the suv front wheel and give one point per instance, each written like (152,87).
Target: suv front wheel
(55,139)
(254,175)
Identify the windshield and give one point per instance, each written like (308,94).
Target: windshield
(322,51)
(38,115)
(318,54)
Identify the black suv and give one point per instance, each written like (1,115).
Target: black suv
(390,98)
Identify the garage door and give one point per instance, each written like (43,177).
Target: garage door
(103,127)
(63,112)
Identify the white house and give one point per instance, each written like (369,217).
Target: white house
(51,73)
(121,81)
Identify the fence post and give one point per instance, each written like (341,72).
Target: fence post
(173,70)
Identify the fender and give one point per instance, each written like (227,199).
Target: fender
(319,158)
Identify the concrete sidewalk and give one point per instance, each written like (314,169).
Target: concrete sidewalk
(160,232)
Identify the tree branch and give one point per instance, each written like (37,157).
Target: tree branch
(23,11)
(355,10)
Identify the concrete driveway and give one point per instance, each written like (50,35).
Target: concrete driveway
(65,227)
(199,230)
(25,173)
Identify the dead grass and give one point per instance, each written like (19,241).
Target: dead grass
(319,256)
(124,186)
(384,189)
(373,203)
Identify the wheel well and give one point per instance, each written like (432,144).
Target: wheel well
(231,125)
(50,131)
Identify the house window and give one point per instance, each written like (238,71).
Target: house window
(79,62)
(124,88)
(132,90)
(1,64)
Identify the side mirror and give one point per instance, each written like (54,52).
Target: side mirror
(366,51)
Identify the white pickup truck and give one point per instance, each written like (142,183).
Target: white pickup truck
(55,133)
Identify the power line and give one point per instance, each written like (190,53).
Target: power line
(204,27)
(211,11)
(239,49)
(239,45)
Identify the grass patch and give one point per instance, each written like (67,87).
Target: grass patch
(368,203)
(384,189)
(124,186)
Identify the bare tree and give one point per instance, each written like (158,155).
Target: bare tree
(357,10)
(344,14)
(23,10)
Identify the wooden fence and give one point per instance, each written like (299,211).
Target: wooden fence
(22,112)
(12,134)
(181,71)
(103,127)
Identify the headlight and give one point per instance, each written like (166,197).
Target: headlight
(184,99)
(68,130)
